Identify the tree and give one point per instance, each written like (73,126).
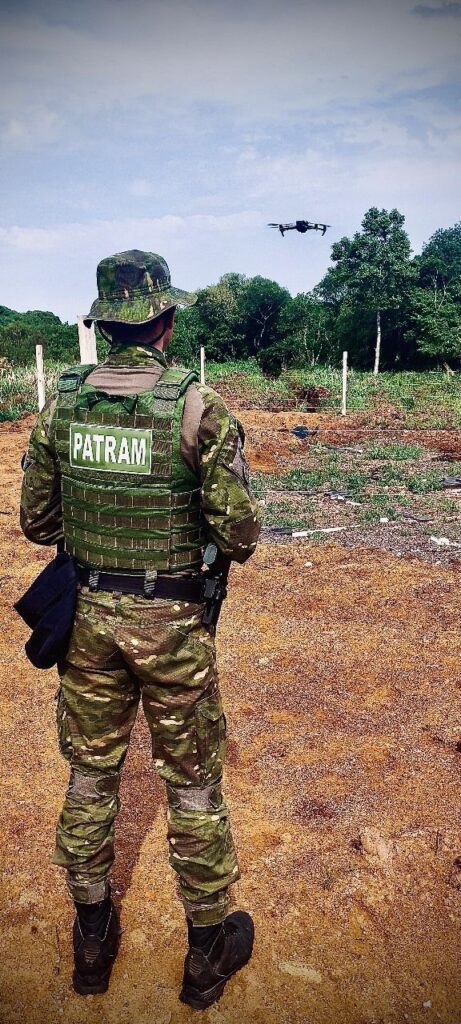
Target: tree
(372,273)
(436,323)
(20,333)
(217,318)
(261,304)
(440,260)
(435,313)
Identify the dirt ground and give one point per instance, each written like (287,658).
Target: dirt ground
(341,680)
(272,447)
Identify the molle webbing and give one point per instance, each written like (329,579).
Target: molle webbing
(120,514)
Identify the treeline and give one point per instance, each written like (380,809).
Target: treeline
(389,310)
(21,332)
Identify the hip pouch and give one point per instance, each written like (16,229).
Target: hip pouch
(48,608)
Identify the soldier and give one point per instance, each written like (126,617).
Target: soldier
(136,467)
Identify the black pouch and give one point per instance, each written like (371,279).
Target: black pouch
(48,608)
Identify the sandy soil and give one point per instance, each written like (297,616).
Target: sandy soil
(340,674)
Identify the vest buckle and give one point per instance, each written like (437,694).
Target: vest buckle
(150,582)
(93,580)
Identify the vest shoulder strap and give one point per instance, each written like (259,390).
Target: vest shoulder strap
(173,382)
(74,377)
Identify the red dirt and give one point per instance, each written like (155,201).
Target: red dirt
(340,675)
(271,447)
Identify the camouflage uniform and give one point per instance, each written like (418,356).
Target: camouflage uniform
(126,647)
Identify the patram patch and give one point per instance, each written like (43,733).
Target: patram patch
(110,449)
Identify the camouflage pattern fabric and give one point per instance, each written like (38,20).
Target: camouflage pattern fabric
(230,511)
(123,649)
(135,287)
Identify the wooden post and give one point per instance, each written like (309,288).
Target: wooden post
(344,401)
(40,376)
(87,342)
(378,343)
(202,364)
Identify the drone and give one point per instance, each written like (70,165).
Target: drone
(302,226)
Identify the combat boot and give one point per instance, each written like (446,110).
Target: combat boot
(205,974)
(95,949)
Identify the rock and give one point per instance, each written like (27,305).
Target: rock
(298,970)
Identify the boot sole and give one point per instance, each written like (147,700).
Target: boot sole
(202,1000)
(87,988)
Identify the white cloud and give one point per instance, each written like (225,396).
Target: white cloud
(262,58)
(311,108)
(31,127)
(109,235)
(301,175)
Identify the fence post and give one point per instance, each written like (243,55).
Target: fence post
(87,342)
(202,364)
(40,376)
(344,399)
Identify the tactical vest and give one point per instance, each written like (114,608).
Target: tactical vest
(129,501)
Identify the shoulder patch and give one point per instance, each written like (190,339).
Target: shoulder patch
(71,379)
(173,382)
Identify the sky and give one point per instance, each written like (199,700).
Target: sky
(184,126)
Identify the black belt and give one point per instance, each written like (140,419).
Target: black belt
(174,589)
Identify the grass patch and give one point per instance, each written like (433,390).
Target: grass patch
(422,483)
(423,399)
(278,514)
(397,452)
(18,390)
(380,506)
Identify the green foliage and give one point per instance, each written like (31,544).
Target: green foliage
(18,389)
(372,281)
(21,332)
(434,321)
(394,451)
(421,483)
(368,288)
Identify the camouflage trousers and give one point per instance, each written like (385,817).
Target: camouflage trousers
(125,648)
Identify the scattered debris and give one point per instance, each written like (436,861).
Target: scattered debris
(338,495)
(451,481)
(301,971)
(291,490)
(325,529)
(416,519)
(302,432)
(445,542)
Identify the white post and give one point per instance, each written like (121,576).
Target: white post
(202,364)
(40,376)
(87,342)
(344,401)
(378,343)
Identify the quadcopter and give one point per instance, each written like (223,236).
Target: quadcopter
(302,226)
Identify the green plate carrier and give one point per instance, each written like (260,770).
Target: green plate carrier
(129,500)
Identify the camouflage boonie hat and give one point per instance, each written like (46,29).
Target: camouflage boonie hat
(134,287)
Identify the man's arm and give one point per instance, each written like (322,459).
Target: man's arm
(229,507)
(41,511)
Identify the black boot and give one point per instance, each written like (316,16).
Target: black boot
(96,937)
(205,974)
